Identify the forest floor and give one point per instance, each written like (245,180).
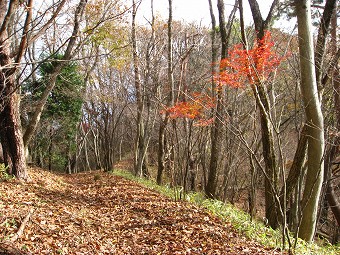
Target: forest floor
(99,213)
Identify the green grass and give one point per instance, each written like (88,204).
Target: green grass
(254,230)
(148,183)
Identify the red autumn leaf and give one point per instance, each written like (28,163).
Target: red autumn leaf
(252,66)
(194,108)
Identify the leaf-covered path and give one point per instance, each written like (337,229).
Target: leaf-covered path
(98,213)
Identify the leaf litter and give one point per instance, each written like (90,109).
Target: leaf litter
(99,213)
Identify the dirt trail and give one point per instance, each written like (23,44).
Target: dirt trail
(98,213)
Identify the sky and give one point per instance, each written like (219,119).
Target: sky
(195,10)
(198,11)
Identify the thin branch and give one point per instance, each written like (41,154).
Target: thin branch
(18,234)
(47,24)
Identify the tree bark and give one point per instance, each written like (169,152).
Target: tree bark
(161,151)
(11,135)
(333,202)
(216,130)
(321,40)
(33,124)
(297,166)
(210,185)
(169,102)
(140,166)
(268,147)
(264,104)
(331,197)
(10,125)
(314,122)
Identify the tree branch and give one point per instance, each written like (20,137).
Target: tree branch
(23,41)
(22,227)
(270,14)
(11,8)
(257,16)
(47,24)
(331,67)
(321,40)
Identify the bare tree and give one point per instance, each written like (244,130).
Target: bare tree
(170,101)
(264,104)
(216,131)
(34,121)
(140,164)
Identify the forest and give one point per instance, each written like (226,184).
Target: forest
(244,114)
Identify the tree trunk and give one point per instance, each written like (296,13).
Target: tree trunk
(297,166)
(211,178)
(264,104)
(50,149)
(161,150)
(268,147)
(321,40)
(164,122)
(10,126)
(333,202)
(11,135)
(216,130)
(331,197)
(140,166)
(33,124)
(314,122)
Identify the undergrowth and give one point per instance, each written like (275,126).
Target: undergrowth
(241,221)
(4,176)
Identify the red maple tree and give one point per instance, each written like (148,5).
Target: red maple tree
(243,66)
(193,108)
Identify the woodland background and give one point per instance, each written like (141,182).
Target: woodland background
(221,110)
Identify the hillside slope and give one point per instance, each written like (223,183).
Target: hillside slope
(99,213)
